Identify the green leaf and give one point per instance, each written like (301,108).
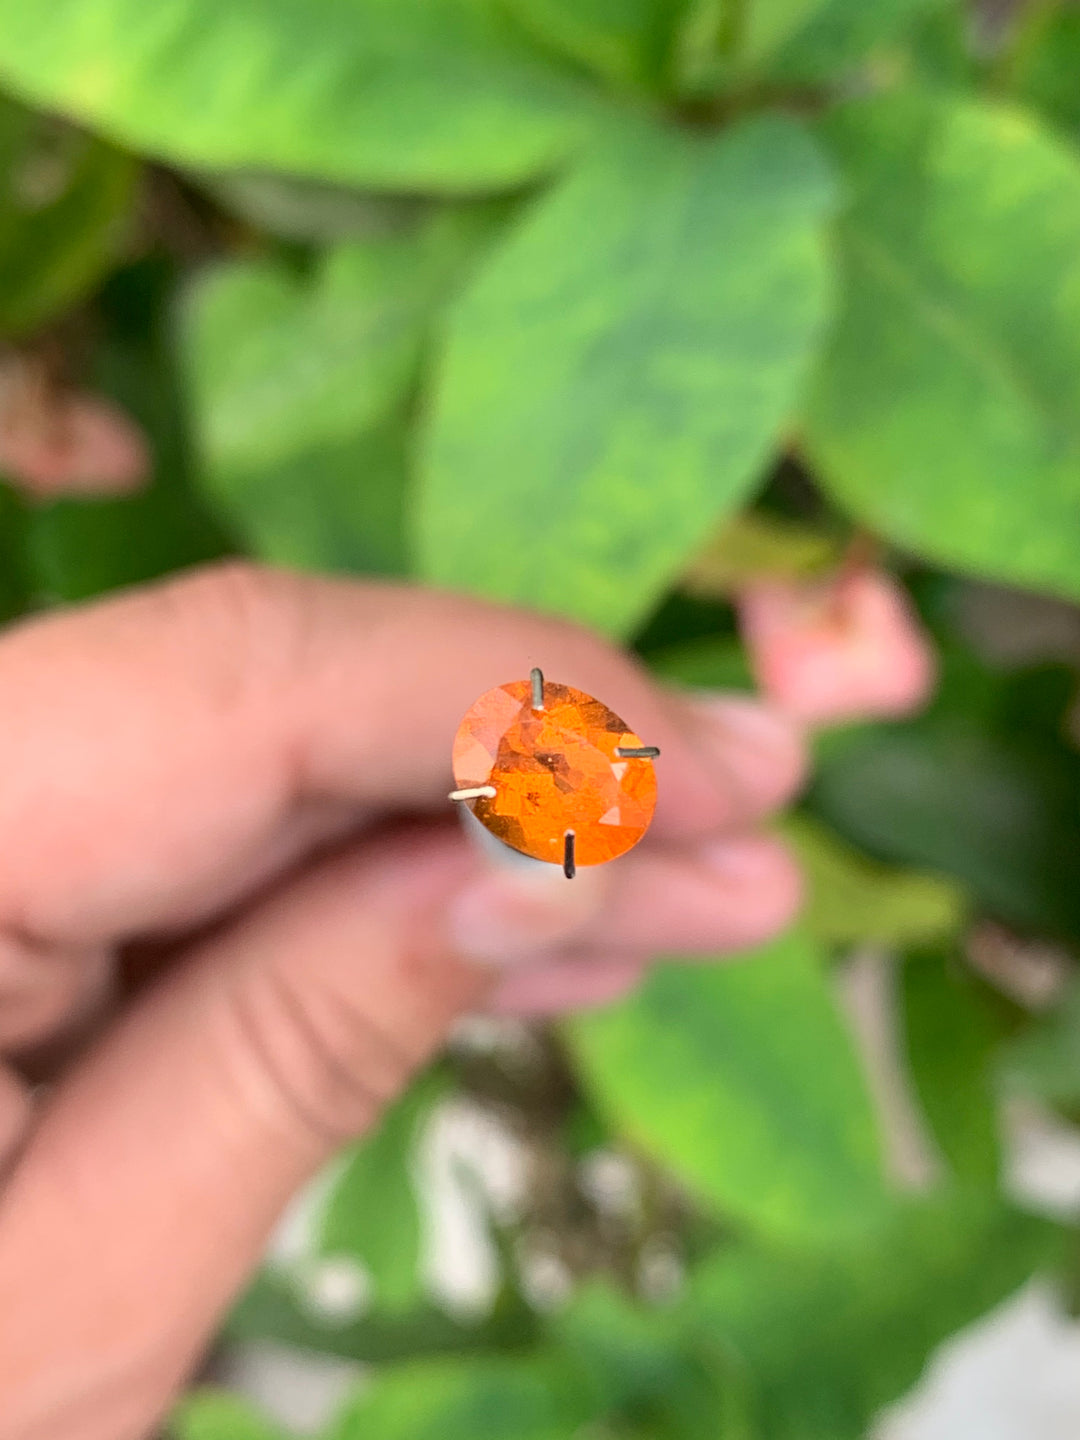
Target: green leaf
(719,664)
(437,95)
(483,1399)
(721,43)
(210,1414)
(952,1032)
(312,212)
(938,48)
(768,24)
(742,1079)
(64,201)
(16,584)
(698,60)
(1044,1061)
(725,44)
(1046,61)
(334,507)
(635,1361)
(825,1339)
(616,378)
(78,548)
(840,35)
(300,386)
(371,1214)
(623,41)
(853,900)
(81,548)
(680,617)
(999,811)
(945,413)
(755,545)
(272,1309)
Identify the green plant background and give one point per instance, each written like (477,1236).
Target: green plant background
(536,298)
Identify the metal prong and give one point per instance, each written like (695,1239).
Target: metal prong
(475,792)
(637,752)
(536,679)
(569,869)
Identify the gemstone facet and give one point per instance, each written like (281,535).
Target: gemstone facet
(554,770)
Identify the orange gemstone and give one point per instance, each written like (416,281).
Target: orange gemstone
(554,770)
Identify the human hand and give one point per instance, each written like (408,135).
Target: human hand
(228,860)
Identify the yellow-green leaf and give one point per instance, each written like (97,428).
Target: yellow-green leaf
(947,412)
(617,377)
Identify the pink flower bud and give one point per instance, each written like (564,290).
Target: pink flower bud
(55,442)
(849,647)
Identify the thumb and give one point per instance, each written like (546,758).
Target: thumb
(147,1192)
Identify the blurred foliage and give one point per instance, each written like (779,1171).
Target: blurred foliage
(755,1052)
(211,1414)
(80,547)
(1044,1059)
(15,582)
(64,200)
(613,307)
(630,380)
(372,1216)
(303,382)
(985,787)
(826,1339)
(952,1031)
(851,899)
(961,281)
(484,1399)
(753,546)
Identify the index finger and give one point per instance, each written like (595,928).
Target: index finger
(156,743)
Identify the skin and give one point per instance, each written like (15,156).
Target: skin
(236,914)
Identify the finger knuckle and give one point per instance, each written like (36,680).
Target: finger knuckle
(321,1064)
(235,587)
(237,597)
(245,620)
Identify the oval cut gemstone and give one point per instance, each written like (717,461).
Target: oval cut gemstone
(554,770)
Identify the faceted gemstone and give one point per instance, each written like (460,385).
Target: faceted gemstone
(554,770)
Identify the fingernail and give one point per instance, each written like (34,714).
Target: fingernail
(763,748)
(509,918)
